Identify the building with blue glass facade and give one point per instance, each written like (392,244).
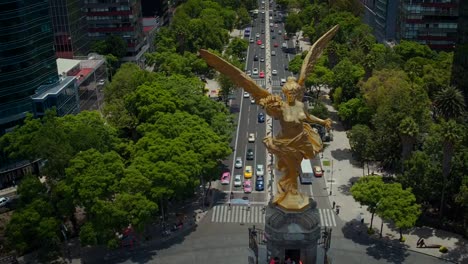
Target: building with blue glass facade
(27,57)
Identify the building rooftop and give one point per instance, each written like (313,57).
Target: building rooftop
(53,90)
(65,65)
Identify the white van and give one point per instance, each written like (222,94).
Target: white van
(283,81)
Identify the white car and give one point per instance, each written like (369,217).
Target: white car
(252,100)
(246,95)
(260,170)
(274,72)
(262,46)
(238,164)
(101,82)
(273,53)
(255,71)
(283,81)
(249,73)
(271,24)
(251,138)
(237,181)
(251,40)
(257,35)
(262,59)
(3,201)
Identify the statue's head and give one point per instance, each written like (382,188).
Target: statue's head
(292,90)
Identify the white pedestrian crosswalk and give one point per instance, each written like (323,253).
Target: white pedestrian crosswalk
(260,82)
(241,214)
(276,83)
(327,217)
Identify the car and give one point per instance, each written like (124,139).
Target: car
(251,138)
(271,24)
(279,32)
(275,44)
(237,181)
(255,57)
(259,186)
(272,30)
(257,35)
(273,36)
(271,18)
(101,82)
(262,74)
(286,67)
(247,186)
(249,73)
(259,42)
(251,40)
(4,201)
(250,154)
(283,81)
(262,46)
(262,59)
(248,172)
(238,163)
(285,37)
(274,72)
(276,25)
(261,117)
(260,170)
(318,172)
(285,45)
(273,53)
(225,178)
(252,100)
(263,20)
(263,12)
(246,95)
(255,71)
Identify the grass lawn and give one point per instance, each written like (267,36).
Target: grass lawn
(325,162)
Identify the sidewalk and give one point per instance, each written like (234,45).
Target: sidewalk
(345,172)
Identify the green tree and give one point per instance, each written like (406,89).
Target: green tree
(226,86)
(243,17)
(369,191)
(31,189)
(237,47)
(113,44)
(399,206)
(410,49)
(319,110)
(296,63)
(408,130)
(450,103)
(353,6)
(293,23)
(362,144)
(355,111)
(346,75)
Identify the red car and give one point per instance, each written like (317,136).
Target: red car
(275,45)
(262,74)
(318,172)
(259,42)
(225,178)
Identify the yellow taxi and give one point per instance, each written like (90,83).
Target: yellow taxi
(248,172)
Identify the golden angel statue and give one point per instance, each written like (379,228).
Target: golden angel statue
(296,139)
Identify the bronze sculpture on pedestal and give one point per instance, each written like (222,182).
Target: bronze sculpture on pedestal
(296,140)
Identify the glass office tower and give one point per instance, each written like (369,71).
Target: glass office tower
(27,57)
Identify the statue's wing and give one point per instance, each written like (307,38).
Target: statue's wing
(237,76)
(314,53)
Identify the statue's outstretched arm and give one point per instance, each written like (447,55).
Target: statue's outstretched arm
(272,105)
(315,120)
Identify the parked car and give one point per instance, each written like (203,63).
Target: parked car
(247,186)
(225,178)
(250,154)
(260,170)
(259,186)
(237,181)
(251,138)
(318,172)
(248,172)
(238,164)
(4,201)
(261,117)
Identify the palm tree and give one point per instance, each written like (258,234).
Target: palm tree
(449,103)
(451,134)
(408,130)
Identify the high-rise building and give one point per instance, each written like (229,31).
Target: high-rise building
(382,16)
(430,22)
(69,27)
(460,57)
(27,57)
(118,17)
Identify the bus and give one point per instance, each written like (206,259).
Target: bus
(307,174)
(247,32)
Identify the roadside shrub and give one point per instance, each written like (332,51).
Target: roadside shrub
(443,249)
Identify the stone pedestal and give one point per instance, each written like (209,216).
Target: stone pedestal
(292,233)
